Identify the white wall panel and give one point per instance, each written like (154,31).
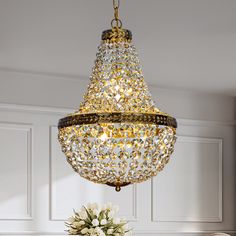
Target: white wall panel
(191,187)
(185,198)
(15,172)
(68,190)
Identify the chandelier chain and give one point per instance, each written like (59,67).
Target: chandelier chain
(116,22)
(116,4)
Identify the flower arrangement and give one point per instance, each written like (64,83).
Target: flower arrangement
(97,220)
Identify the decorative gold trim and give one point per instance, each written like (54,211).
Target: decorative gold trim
(115,34)
(93,118)
(118,185)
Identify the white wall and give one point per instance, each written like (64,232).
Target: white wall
(195,194)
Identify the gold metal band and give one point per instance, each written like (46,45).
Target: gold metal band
(117,33)
(94,118)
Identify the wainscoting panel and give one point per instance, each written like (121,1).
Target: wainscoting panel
(68,190)
(15,171)
(39,189)
(191,187)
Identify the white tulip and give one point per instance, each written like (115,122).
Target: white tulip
(76,224)
(128,233)
(84,230)
(95,222)
(111,214)
(83,215)
(125,227)
(96,212)
(71,219)
(101,233)
(116,221)
(81,222)
(98,229)
(109,231)
(72,231)
(103,221)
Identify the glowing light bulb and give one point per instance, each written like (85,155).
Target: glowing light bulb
(103,137)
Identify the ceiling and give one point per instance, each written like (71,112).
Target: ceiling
(185,44)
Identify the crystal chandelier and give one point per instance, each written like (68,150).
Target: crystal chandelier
(117,136)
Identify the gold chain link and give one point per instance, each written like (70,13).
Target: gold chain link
(116,3)
(116,22)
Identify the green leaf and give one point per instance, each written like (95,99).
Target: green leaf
(89,215)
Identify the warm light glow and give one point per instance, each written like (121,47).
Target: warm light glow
(103,137)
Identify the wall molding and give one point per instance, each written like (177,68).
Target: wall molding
(29,172)
(62,111)
(34,109)
(134,217)
(15,73)
(131,218)
(42,75)
(213,219)
(29,132)
(208,123)
(26,110)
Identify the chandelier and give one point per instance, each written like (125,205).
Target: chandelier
(117,136)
